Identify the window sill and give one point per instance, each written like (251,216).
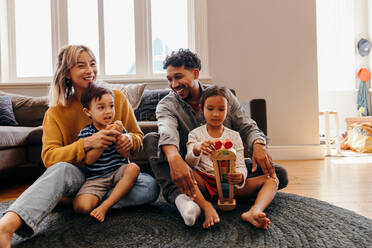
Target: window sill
(42,82)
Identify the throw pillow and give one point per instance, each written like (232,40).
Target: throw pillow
(28,110)
(133,92)
(147,108)
(6,112)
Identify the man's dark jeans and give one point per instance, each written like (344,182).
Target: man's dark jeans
(160,168)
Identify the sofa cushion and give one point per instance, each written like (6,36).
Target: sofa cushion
(149,101)
(28,110)
(13,136)
(12,157)
(7,117)
(148,126)
(133,92)
(35,136)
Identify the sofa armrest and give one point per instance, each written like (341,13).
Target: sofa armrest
(257,108)
(256,111)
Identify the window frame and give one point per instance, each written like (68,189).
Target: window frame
(197,40)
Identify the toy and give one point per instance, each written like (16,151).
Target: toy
(224,163)
(117,125)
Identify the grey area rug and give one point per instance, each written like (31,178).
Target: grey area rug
(295,222)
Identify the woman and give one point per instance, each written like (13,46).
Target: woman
(63,153)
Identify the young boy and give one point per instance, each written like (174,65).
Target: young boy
(105,168)
(214,103)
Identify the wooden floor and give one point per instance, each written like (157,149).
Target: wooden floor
(345,182)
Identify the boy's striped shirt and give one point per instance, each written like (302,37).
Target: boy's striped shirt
(108,162)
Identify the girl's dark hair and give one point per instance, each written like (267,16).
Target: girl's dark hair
(213,91)
(183,57)
(94,91)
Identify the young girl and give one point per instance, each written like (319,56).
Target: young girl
(214,103)
(105,168)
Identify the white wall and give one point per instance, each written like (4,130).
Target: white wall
(267,49)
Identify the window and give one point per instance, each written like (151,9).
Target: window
(171,38)
(336,45)
(32,44)
(129,38)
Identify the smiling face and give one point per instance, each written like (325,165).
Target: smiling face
(182,81)
(101,111)
(215,111)
(83,73)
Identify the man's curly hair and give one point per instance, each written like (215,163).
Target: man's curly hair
(183,57)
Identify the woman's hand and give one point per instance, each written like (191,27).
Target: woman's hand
(235,178)
(123,145)
(100,140)
(206,147)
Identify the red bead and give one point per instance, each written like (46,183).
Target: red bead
(217,144)
(227,144)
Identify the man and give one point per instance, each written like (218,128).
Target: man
(177,114)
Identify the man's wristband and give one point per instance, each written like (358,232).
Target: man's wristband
(260,142)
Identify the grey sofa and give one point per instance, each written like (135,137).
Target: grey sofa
(20,146)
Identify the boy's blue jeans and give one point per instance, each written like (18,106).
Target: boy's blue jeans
(64,180)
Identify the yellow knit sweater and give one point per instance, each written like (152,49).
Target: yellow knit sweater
(62,125)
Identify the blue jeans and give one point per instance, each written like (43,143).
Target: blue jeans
(64,180)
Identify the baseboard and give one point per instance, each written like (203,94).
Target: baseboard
(297,152)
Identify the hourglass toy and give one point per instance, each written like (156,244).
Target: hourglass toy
(224,162)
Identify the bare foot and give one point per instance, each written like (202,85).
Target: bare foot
(257,218)
(5,239)
(99,213)
(211,216)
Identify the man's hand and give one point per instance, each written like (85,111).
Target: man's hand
(262,157)
(123,145)
(182,176)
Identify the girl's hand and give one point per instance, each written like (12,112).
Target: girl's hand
(207,147)
(235,178)
(100,140)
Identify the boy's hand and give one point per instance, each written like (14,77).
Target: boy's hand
(100,140)
(206,148)
(123,145)
(235,178)
(117,125)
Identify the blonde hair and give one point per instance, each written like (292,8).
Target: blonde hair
(61,89)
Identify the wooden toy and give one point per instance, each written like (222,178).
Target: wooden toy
(224,163)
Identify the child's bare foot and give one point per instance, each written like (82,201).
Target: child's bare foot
(257,218)
(99,213)
(210,216)
(5,239)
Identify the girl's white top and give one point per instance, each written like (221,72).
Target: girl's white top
(203,162)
